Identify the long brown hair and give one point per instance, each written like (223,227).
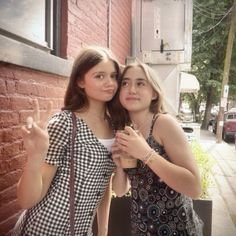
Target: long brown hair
(75,97)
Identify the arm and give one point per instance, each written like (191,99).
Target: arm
(103,212)
(181,173)
(34,183)
(37,175)
(120,181)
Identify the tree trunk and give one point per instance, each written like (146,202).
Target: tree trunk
(195,107)
(207,115)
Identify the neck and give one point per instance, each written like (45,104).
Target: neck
(97,110)
(141,119)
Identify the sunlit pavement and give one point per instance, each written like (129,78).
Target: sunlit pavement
(223,189)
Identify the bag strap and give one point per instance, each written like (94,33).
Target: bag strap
(72,177)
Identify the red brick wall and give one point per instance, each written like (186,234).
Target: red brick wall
(18,86)
(121,29)
(84,23)
(88,25)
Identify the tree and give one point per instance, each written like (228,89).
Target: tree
(210,30)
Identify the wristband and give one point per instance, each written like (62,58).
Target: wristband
(148,157)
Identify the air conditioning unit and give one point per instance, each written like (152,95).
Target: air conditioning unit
(162,31)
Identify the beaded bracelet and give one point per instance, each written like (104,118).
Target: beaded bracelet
(148,157)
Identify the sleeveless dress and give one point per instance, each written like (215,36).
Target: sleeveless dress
(157,209)
(93,168)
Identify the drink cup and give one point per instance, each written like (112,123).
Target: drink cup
(126,160)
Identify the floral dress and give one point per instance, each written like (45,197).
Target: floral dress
(156,208)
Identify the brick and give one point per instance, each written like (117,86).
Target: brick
(3,89)
(11,87)
(7,225)
(10,134)
(8,195)
(20,103)
(11,168)
(9,209)
(11,150)
(8,119)
(26,88)
(5,70)
(5,103)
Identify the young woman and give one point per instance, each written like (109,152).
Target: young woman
(166,178)
(44,186)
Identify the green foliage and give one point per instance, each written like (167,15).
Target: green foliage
(205,163)
(211,21)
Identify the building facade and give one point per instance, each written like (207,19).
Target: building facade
(37,63)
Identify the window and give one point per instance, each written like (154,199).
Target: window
(28,21)
(30,35)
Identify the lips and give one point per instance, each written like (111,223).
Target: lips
(132,98)
(109,91)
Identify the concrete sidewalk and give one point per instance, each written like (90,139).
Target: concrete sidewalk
(223,189)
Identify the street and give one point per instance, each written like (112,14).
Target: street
(223,189)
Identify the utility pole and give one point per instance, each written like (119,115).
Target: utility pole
(225,87)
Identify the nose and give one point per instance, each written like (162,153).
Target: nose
(132,88)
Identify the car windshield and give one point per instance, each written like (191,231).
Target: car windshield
(231,116)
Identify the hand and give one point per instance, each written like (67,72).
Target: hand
(35,135)
(133,143)
(116,154)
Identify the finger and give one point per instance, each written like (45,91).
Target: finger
(116,152)
(130,130)
(45,117)
(49,109)
(114,147)
(29,122)
(121,136)
(115,156)
(25,131)
(122,147)
(37,130)
(36,112)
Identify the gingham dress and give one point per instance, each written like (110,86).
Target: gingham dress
(156,208)
(93,168)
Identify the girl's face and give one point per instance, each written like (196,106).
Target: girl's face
(100,82)
(136,93)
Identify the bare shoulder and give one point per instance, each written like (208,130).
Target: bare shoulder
(167,126)
(166,120)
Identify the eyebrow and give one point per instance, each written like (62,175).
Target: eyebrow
(139,79)
(104,72)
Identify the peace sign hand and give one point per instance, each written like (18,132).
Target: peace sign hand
(35,135)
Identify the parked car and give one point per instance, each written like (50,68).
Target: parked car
(229,126)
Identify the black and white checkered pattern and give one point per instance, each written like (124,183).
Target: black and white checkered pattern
(93,168)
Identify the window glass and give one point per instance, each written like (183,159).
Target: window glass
(25,18)
(230,116)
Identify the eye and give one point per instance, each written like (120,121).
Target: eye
(99,76)
(141,83)
(124,83)
(114,76)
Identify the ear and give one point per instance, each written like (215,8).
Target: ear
(154,95)
(80,83)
